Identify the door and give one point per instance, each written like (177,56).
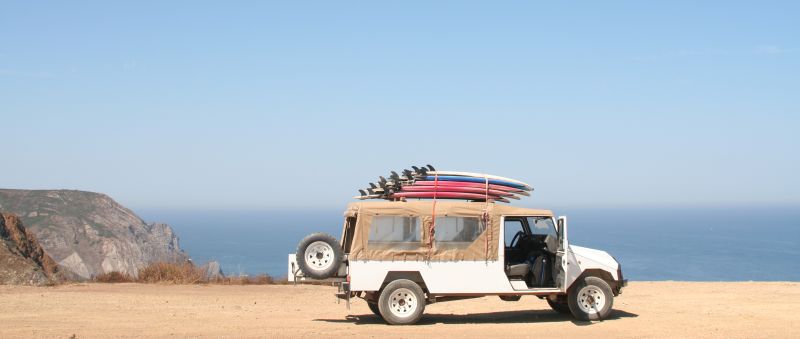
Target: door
(561,253)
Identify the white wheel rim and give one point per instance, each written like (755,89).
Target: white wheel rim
(319,256)
(402,302)
(591,299)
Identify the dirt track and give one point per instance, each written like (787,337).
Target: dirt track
(645,309)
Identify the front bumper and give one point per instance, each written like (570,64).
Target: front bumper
(621,282)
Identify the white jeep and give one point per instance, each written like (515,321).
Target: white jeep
(400,256)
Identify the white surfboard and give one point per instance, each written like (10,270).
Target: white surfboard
(479,175)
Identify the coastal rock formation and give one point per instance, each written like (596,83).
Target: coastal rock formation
(22,259)
(89,233)
(213,270)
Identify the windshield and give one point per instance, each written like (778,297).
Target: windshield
(542,226)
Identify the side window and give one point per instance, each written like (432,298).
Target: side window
(395,232)
(511,226)
(349,228)
(457,232)
(542,226)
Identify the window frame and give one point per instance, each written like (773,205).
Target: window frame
(552,220)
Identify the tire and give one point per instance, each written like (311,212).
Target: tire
(319,255)
(510,297)
(590,298)
(375,309)
(560,305)
(402,302)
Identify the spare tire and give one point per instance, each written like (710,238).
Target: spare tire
(319,255)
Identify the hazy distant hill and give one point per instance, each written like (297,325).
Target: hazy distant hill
(89,233)
(22,260)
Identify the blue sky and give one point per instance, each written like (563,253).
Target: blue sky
(256,105)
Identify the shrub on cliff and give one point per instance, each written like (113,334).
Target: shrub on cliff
(172,273)
(113,277)
(186,273)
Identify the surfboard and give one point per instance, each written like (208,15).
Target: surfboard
(449,186)
(446,195)
(476,175)
(479,175)
(459,189)
(470,184)
(379,192)
(474,179)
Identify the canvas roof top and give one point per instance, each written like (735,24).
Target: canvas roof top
(424,207)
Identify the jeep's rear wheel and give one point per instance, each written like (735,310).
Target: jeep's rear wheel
(319,255)
(591,299)
(402,302)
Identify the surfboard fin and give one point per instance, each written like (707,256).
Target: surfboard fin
(395,176)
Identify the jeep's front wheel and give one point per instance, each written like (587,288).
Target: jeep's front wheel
(591,298)
(401,302)
(375,309)
(559,305)
(319,255)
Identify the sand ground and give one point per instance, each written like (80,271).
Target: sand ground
(645,309)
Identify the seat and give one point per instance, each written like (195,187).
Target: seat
(541,271)
(518,270)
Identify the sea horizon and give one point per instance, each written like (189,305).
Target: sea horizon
(722,243)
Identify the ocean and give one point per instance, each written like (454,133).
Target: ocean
(694,244)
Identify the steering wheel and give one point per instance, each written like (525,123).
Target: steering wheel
(516,239)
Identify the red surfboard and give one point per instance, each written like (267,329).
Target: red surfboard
(477,190)
(446,195)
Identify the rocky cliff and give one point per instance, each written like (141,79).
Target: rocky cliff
(22,259)
(90,233)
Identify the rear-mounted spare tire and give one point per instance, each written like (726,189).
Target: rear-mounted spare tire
(319,256)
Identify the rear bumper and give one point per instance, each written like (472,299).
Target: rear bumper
(344,291)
